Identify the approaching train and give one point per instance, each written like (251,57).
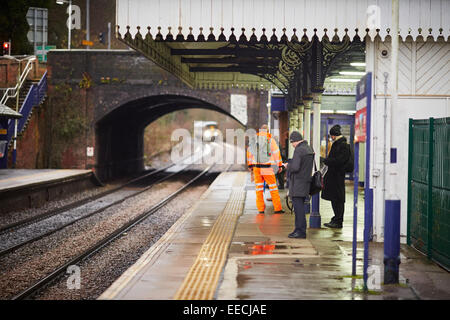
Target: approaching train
(209,130)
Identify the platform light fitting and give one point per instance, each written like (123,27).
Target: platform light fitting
(352,73)
(358,64)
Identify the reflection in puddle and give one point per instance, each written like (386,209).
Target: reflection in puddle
(263,247)
(257,249)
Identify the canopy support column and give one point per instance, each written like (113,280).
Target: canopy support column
(315,219)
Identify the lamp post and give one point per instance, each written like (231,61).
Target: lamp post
(69,26)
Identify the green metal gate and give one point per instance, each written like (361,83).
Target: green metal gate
(429,188)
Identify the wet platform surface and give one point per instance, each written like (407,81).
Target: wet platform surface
(263,263)
(12,179)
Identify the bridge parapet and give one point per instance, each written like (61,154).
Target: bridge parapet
(112,95)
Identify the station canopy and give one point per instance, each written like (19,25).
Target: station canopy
(261,43)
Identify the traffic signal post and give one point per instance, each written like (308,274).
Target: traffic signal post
(6,48)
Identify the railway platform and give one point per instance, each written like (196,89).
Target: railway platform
(23,188)
(222,249)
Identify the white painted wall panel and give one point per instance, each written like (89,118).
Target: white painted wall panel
(445,16)
(424,91)
(433,69)
(270,14)
(386,13)
(414,24)
(291,13)
(424,15)
(436,14)
(425,71)
(341,14)
(416,108)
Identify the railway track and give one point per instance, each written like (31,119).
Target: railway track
(52,276)
(51,213)
(88,201)
(6,235)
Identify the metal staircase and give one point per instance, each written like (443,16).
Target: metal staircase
(31,93)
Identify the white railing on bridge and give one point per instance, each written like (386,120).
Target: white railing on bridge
(12,92)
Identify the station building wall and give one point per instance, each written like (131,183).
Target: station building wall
(423,92)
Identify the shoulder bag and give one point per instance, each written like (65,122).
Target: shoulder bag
(316,181)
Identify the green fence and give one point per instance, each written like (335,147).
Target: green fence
(429,188)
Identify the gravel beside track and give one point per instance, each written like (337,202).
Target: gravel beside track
(28,264)
(15,216)
(99,272)
(20,235)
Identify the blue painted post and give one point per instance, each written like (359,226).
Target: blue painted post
(368,193)
(315,218)
(366,250)
(391,241)
(355,207)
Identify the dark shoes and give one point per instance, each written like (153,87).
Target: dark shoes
(297,235)
(280,211)
(333,225)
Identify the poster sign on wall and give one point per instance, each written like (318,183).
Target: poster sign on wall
(360,124)
(239,107)
(361,112)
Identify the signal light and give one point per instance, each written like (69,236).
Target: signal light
(101,38)
(6,48)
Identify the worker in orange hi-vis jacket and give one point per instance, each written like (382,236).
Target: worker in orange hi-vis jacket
(264,158)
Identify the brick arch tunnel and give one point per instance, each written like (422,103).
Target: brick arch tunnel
(120,133)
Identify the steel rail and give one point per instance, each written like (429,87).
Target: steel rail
(46,234)
(25,222)
(104,242)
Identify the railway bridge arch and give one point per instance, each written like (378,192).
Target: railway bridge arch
(115,94)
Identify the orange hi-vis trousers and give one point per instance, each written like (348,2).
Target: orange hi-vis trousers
(268,176)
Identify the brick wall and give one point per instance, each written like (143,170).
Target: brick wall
(9,71)
(105,99)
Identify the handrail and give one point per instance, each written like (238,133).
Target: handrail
(34,97)
(19,84)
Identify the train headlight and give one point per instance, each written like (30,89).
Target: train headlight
(207,134)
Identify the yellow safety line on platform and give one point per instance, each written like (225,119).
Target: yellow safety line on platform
(149,256)
(201,281)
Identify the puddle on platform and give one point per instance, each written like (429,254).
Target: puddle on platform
(263,247)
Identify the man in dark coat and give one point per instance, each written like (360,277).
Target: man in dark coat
(334,179)
(299,171)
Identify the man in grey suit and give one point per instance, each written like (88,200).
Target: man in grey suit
(299,171)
